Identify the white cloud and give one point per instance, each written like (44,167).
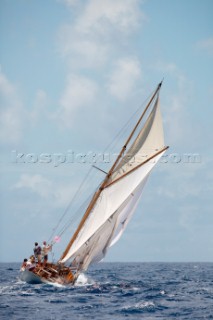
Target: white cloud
(98,34)
(36,183)
(11,113)
(56,193)
(123,78)
(15,117)
(100,16)
(82,51)
(100,28)
(70,3)
(78,95)
(206,45)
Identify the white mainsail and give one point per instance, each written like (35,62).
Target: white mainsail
(109,201)
(109,233)
(116,202)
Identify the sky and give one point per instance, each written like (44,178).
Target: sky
(72,72)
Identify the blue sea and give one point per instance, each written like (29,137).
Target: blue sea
(111,291)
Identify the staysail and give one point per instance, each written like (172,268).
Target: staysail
(114,202)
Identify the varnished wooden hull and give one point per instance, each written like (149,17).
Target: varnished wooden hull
(49,274)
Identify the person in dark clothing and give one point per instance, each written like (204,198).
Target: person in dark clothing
(37,252)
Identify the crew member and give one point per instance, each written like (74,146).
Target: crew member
(37,252)
(24,265)
(45,249)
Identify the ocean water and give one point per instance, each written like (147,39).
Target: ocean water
(111,291)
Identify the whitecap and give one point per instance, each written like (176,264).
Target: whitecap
(140,306)
(145,305)
(55,284)
(83,280)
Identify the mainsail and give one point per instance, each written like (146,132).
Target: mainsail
(114,202)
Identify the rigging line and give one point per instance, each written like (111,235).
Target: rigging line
(122,129)
(81,208)
(69,205)
(120,132)
(68,223)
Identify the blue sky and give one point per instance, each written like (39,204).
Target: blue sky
(71,74)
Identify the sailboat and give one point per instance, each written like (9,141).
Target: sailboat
(113,203)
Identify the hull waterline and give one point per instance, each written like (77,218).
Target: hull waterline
(30,277)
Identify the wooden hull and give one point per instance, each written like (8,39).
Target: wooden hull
(50,274)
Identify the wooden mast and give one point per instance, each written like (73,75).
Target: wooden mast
(104,183)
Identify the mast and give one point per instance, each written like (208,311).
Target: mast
(105,181)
